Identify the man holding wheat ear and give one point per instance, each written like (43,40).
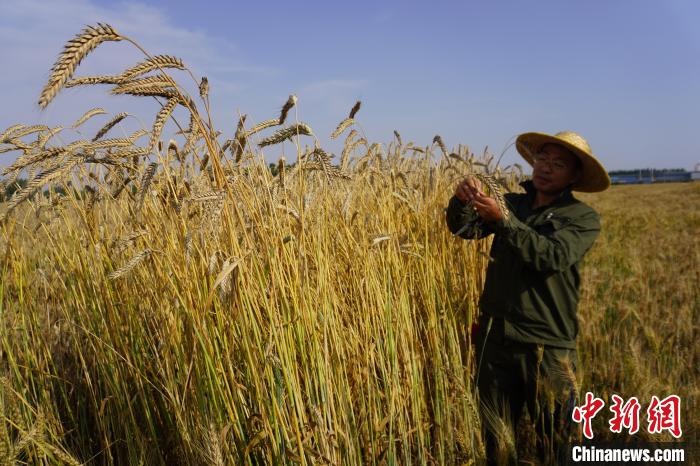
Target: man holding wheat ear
(526,342)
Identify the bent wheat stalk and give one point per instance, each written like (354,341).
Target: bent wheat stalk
(73,53)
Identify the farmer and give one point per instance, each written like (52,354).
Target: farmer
(526,337)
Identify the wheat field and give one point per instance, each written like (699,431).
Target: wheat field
(185,302)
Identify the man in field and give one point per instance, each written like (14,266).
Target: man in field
(526,338)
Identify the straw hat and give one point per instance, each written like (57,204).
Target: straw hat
(595,178)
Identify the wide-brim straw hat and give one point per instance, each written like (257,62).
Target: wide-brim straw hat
(594,178)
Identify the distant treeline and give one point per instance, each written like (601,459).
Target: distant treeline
(647,172)
(7,191)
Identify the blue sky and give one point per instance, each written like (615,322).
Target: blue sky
(625,74)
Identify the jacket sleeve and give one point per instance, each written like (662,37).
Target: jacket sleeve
(462,217)
(555,252)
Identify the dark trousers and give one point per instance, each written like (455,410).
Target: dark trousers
(513,375)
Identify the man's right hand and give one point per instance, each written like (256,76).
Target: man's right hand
(468,188)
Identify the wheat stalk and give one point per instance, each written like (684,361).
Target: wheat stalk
(73,53)
(137,134)
(347,150)
(398,138)
(110,124)
(25,160)
(261,126)
(281,171)
(291,102)
(122,244)
(90,80)
(496,192)
(147,91)
(192,135)
(188,247)
(239,139)
(286,133)
(155,80)
(500,426)
(206,197)
(437,139)
(161,118)
(40,180)
(325,159)
(105,143)
(87,115)
(48,135)
(145,183)
(342,126)
(123,154)
(33,435)
(29,130)
(173,150)
(7,135)
(355,108)
(351,135)
(204,88)
(129,266)
(156,62)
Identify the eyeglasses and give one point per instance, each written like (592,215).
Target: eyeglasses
(556,164)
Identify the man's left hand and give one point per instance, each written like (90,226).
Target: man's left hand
(486,207)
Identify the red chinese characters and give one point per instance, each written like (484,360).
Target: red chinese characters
(587,412)
(624,415)
(661,414)
(665,415)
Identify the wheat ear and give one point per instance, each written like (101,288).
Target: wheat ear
(29,130)
(159,123)
(261,126)
(438,140)
(287,133)
(398,138)
(129,266)
(110,124)
(73,53)
(145,183)
(90,80)
(87,115)
(342,127)
(8,134)
(291,102)
(355,108)
(496,192)
(154,63)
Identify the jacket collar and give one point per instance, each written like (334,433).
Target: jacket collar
(564,197)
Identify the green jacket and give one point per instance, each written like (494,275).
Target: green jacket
(533,280)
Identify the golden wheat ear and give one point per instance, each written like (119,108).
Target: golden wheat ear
(496,191)
(73,53)
(342,126)
(157,62)
(497,419)
(109,125)
(287,133)
(438,140)
(291,102)
(355,108)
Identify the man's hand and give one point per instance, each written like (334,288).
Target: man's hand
(467,188)
(469,191)
(487,207)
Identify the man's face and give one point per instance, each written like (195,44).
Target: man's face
(554,168)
